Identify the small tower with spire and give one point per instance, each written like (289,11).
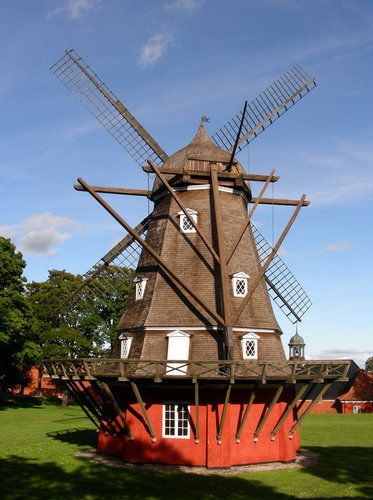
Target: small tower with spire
(296,346)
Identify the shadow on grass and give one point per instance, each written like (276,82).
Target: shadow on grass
(345,465)
(81,437)
(8,401)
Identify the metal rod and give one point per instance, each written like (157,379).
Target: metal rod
(252,210)
(156,257)
(120,414)
(224,414)
(284,416)
(229,166)
(268,412)
(270,258)
(223,271)
(184,209)
(196,404)
(305,413)
(144,412)
(245,415)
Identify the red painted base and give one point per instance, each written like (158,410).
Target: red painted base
(207,452)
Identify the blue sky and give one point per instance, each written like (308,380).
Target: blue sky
(172,61)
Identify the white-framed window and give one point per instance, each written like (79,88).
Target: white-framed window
(140,284)
(125,345)
(356,409)
(240,284)
(178,349)
(185,225)
(176,421)
(249,344)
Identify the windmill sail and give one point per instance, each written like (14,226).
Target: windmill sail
(269,105)
(78,77)
(282,285)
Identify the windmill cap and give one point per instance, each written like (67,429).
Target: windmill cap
(200,148)
(296,340)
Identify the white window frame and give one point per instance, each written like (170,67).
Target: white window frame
(176,420)
(125,345)
(140,285)
(178,368)
(249,337)
(184,219)
(241,276)
(356,409)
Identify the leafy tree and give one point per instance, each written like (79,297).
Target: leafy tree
(369,365)
(19,348)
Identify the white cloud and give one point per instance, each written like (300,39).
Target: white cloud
(74,8)
(186,5)
(153,49)
(358,356)
(336,247)
(40,234)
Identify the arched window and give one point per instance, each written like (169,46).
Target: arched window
(249,343)
(178,349)
(140,284)
(240,284)
(185,225)
(125,345)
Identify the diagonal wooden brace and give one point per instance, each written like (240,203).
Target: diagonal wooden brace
(144,412)
(245,415)
(176,280)
(284,416)
(268,412)
(252,210)
(107,391)
(224,414)
(270,258)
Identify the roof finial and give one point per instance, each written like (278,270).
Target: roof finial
(205,119)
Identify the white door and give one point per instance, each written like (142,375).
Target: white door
(178,348)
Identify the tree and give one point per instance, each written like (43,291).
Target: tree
(19,349)
(369,365)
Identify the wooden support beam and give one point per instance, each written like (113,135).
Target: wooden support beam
(114,190)
(250,214)
(184,209)
(224,414)
(270,258)
(80,402)
(268,412)
(284,416)
(119,412)
(306,412)
(196,405)
(280,201)
(144,412)
(221,175)
(245,415)
(176,280)
(223,271)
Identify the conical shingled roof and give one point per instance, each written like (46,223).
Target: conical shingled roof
(200,148)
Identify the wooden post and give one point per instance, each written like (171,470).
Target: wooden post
(223,272)
(268,412)
(284,416)
(224,414)
(305,413)
(245,415)
(144,412)
(157,258)
(196,404)
(270,257)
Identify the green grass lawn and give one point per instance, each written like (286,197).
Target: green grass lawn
(38,442)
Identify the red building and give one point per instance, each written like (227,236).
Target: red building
(359,398)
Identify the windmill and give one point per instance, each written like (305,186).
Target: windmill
(199,347)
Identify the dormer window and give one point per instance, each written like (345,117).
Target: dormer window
(125,345)
(249,344)
(140,284)
(185,225)
(240,284)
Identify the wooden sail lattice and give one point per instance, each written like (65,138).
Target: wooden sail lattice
(266,108)
(78,77)
(283,287)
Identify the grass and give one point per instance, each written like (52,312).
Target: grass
(38,442)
